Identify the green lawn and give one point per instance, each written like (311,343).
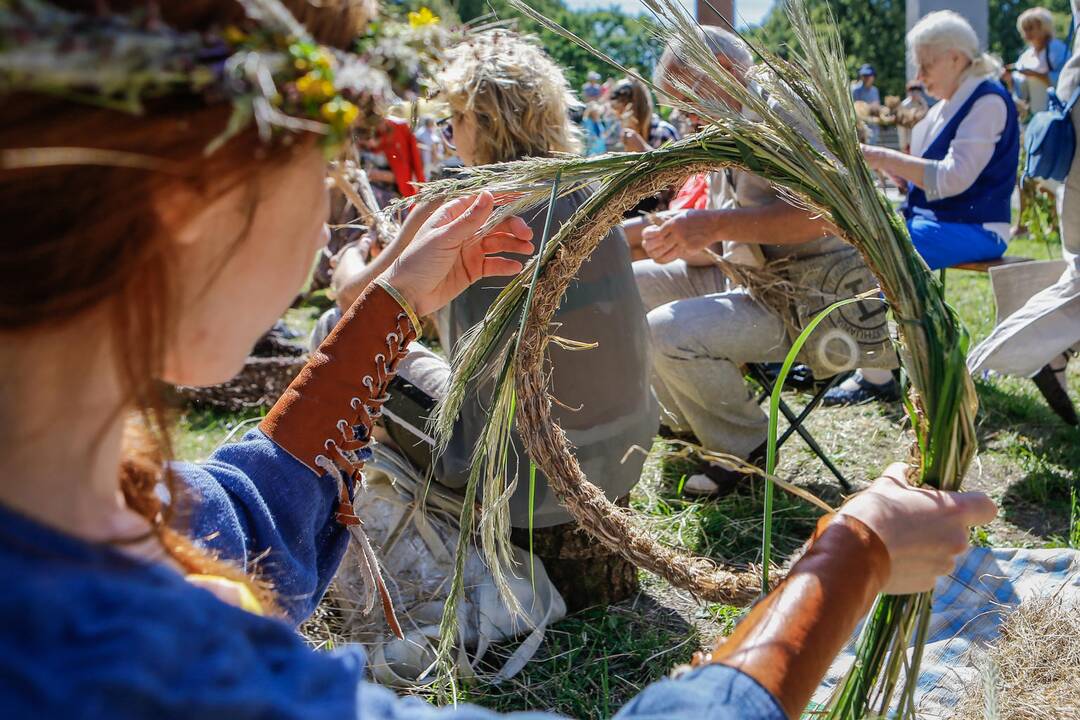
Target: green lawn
(595,660)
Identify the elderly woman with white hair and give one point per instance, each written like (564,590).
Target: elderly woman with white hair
(1039,65)
(964,153)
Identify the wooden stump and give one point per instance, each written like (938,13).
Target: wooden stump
(585,573)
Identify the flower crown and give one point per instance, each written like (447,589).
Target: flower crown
(269,67)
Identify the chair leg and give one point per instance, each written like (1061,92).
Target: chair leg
(795,421)
(811,406)
(796,425)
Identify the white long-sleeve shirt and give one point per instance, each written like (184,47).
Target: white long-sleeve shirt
(971,148)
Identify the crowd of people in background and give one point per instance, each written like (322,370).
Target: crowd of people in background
(953,158)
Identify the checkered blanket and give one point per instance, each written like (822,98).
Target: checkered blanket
(969,606)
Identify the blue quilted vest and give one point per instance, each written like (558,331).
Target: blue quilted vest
(987,200)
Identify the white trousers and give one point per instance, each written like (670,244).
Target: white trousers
(702,334)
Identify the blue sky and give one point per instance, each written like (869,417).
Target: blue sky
(748,12)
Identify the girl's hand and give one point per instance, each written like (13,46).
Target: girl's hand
(449,253)
(923,529)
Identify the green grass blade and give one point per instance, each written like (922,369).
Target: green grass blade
(532,510)
(774,421)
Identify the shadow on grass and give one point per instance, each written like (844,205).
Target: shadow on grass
(1040,445)
(594,661)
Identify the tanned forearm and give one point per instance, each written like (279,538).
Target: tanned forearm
(775,224)
(789,639)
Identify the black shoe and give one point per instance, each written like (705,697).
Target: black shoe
(865,392)
(800,377)
(681,435)
(1056,397)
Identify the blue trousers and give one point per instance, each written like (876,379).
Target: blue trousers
(947,244)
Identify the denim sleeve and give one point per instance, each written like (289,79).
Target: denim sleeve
(257,505)
(713,692)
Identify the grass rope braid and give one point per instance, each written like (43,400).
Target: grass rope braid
(546,442)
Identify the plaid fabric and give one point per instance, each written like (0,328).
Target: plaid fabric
(969,606)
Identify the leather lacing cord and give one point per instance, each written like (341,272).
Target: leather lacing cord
(345,457)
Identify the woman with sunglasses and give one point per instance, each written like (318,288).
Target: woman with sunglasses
(642,129)
(510,101)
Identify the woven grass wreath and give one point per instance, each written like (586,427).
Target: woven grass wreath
(826,175)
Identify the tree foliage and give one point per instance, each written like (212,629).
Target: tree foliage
(623,37)
(872,31)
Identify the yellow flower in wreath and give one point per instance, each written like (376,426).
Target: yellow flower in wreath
(340,113)
(314,87)
(422,18)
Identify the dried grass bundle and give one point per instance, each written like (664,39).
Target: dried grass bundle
(1032,672)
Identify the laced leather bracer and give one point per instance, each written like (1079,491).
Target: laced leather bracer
(325,416)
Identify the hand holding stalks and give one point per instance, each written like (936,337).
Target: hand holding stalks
(923,529)
(679,236)
(452,250)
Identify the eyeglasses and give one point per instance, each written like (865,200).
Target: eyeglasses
(924,67)
(446,127)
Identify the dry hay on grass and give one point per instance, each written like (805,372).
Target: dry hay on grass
(1032,672)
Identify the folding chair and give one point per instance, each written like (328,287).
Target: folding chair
(795,421)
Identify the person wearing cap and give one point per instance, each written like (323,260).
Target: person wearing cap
(865,91)
(591,90)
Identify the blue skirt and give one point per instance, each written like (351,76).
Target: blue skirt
(947,244)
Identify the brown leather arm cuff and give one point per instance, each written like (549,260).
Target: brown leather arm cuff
(330,406)
(790,638)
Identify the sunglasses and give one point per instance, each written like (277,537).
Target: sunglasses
(446,127)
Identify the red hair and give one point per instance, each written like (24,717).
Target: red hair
(81,237)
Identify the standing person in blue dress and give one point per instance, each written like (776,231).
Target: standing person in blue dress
(141,588)
(865,91)
(961,171)
(596,129)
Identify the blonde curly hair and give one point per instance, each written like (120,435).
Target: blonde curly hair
(517,94)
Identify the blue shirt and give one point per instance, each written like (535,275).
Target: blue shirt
(861,93)
(661,132)
(90,632)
